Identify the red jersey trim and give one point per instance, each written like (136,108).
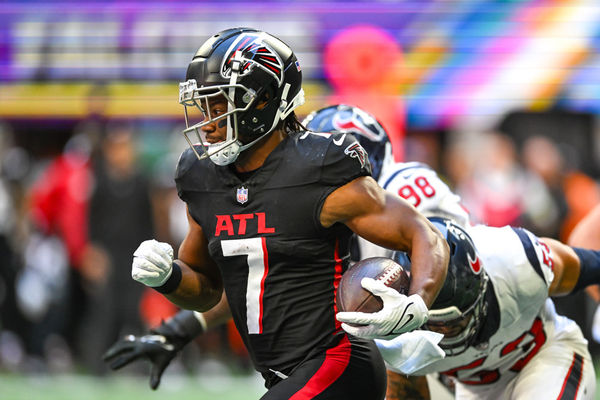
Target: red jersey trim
(572,381)
(337,276)
(262,284)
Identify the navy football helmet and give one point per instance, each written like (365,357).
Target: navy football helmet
(259,77)
(365,128)
(461,307)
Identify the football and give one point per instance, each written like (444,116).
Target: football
(352,297)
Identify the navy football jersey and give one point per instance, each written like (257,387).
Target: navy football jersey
(280,266)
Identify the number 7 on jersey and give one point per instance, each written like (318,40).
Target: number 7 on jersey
(258,268)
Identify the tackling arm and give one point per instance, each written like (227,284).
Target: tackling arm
(586,234)
(575,268)
(565,266)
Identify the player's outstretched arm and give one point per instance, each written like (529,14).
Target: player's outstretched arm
(389,221)
(165,341)
(587,234)
(575,268)
(193,281)
(565,265)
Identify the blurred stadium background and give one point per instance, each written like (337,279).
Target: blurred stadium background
(502,97)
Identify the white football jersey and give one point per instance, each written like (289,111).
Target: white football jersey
(519,266)
(422,187)
(514,262)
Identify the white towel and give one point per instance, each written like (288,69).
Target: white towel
(411,351)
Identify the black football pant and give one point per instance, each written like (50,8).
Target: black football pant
(352,370)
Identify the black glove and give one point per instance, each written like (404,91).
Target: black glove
(160,347)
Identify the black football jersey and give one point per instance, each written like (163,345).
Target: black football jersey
(280,266)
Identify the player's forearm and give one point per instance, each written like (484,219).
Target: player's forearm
(565,265)
(575,268)
(429,259)
(196,291)
(588,271)
(219,314)
(586,233)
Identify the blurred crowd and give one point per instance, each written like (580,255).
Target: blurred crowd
(71,219)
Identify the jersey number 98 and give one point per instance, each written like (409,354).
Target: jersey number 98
(420,188)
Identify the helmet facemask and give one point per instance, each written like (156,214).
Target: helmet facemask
(460,309)
(459,328)
(200,100)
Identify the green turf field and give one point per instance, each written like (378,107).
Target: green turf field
(116,387)
(80,387)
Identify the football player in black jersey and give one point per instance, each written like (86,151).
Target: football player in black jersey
(165,341)
(271,209)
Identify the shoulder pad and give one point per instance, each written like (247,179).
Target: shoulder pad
(345,159)
(185,162)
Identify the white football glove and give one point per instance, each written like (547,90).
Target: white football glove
(152,263)
(596,325)
(399,314)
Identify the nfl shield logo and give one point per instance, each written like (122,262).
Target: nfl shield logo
(242,195)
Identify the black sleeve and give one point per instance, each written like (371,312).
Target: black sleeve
(186,160)
(344,161)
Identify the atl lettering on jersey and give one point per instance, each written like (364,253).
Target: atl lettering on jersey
(237,224)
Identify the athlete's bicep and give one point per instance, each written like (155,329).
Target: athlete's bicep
(566,267)
(359,196)
(389,221)
(371,212)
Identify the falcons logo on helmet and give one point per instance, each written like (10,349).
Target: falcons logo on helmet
(254,52)
(355,123)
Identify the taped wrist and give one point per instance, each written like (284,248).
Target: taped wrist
(589,268)
(181,328)
(172,283)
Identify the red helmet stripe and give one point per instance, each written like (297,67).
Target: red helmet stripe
(276,70)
